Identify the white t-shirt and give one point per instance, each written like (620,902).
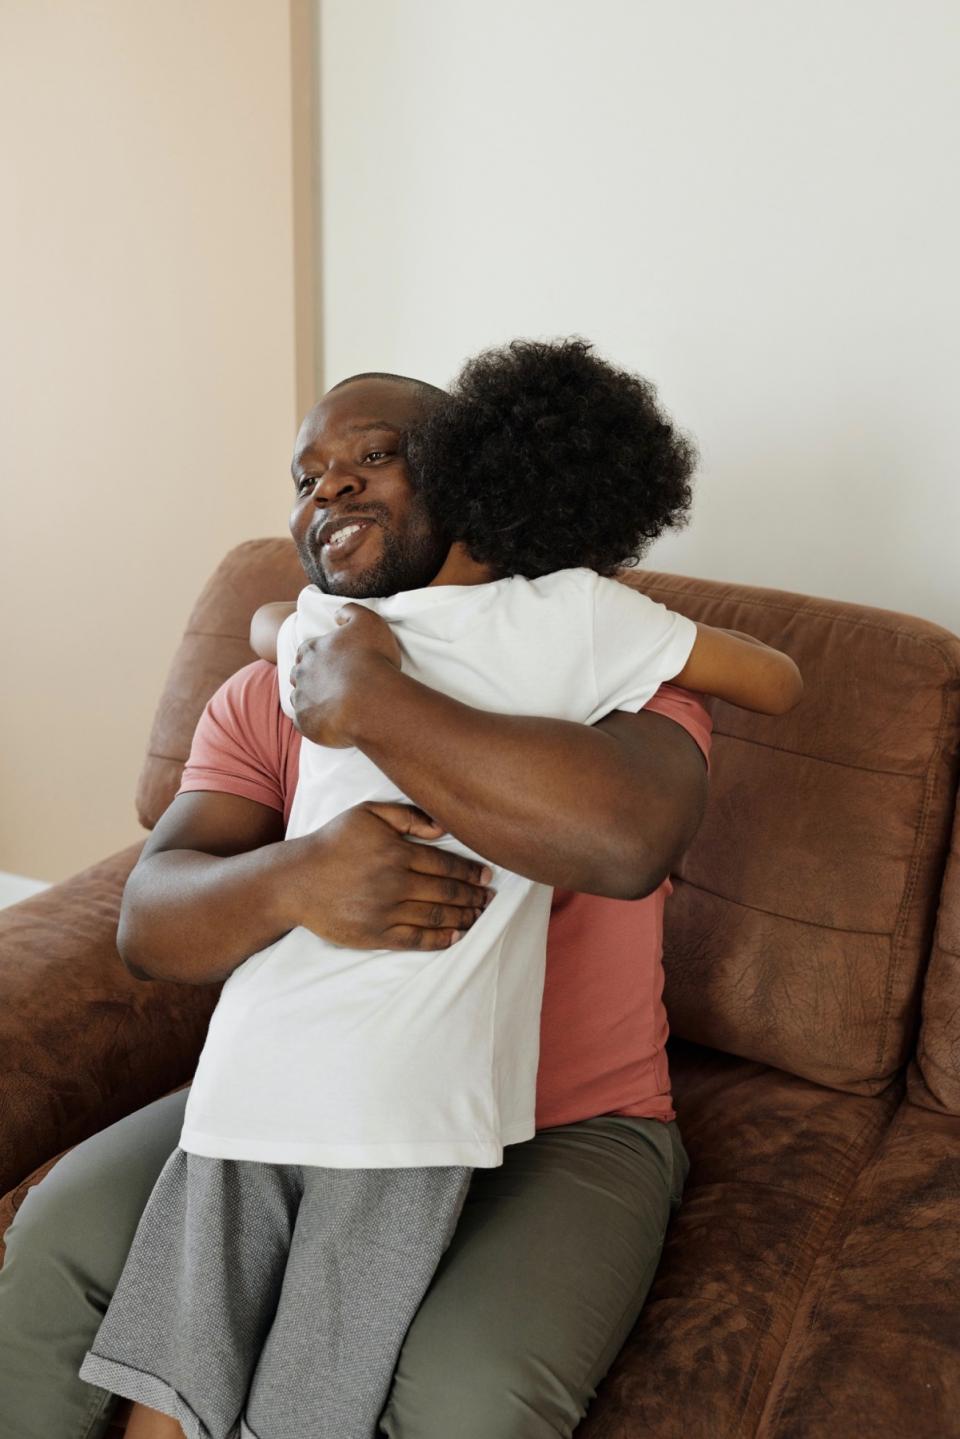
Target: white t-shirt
(323,1055)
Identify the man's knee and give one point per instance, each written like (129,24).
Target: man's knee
(84,1213)
(52,1297)
(43,1213)
(50,1229)
(74,1227)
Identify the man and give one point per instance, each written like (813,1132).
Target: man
(555,1250)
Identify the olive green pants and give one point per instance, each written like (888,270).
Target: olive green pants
(551,1261)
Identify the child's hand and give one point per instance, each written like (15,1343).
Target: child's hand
(265,626)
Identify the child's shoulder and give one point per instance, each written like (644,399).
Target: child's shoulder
(602,591)
(579,581)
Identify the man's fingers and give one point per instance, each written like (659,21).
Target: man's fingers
(427,859)
(406,819)
(436,916)
(453,870)
(407,936)
(439,889)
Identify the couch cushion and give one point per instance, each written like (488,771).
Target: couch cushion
(933,1079)
(773,1160)
(214,646)
(882,1302)
(83,1042)
(805,909)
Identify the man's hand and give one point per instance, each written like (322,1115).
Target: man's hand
(366,885)
(217,882)
(326,668)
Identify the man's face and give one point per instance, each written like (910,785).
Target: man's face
(348,471)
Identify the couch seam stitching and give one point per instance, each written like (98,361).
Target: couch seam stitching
(820,759)
(775,914)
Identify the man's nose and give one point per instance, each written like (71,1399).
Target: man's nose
(337,480)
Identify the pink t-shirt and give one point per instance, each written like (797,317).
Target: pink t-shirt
(603,1025)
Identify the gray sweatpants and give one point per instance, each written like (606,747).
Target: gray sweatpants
(271,1301)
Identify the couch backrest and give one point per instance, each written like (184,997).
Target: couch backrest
(214,645)
(804,912)
(805,909)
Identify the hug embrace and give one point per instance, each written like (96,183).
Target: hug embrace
(352,1099)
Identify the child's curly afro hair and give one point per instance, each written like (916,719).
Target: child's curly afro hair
(544,457)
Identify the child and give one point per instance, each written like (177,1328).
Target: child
(343,1097)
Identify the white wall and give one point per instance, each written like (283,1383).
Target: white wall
(751,202)
(148,395)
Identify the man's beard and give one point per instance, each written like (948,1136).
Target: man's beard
(406,563)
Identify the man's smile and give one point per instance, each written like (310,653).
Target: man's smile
(341,537)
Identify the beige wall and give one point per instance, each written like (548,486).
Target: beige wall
(148,374)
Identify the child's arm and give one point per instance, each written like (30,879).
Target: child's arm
(741,670)
(265,626)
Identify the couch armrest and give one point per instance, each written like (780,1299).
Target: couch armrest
(83,1042)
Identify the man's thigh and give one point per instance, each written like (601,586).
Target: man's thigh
(65,1249)
(552,1259)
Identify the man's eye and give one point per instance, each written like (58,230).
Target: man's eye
(378,455)
(304,483)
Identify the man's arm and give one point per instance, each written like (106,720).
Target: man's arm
(606,809)
(216,882)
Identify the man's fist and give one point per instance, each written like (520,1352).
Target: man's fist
(329,667)
(361,628)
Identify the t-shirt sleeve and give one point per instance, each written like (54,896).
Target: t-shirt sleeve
(637,645)
(237,747)
(688,710)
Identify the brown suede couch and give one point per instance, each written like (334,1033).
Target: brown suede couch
(810,1285)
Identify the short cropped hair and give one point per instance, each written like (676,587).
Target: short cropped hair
(425,391)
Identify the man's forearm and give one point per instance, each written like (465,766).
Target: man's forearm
(192,918)
(216,882)
(562,803)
